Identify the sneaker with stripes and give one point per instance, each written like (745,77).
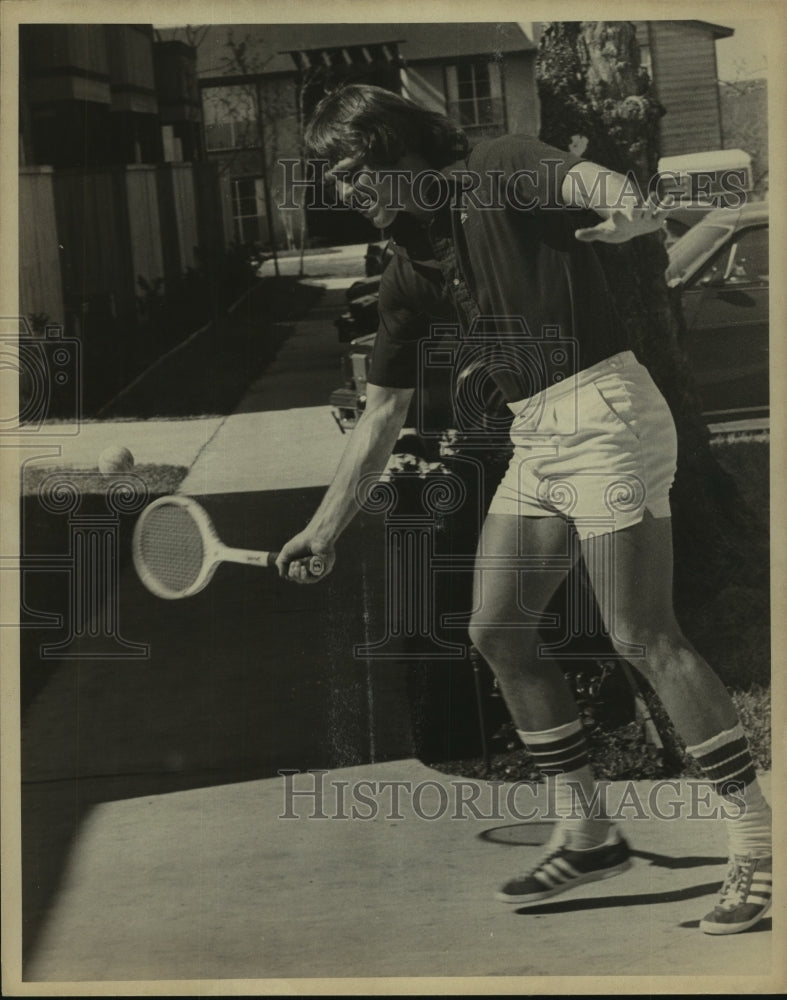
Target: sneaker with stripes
(745,896)
(564,868)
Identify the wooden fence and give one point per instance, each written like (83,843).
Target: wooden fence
(88,235)
(40,283)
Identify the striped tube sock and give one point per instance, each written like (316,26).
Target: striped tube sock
(726,761)
(561,754)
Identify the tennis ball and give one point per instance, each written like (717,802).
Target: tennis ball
(115,459)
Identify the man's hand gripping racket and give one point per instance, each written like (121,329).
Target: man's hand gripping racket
(295,561)
(176,550)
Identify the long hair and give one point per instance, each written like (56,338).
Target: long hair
(376,127)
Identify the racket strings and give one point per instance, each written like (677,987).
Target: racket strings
(171,548)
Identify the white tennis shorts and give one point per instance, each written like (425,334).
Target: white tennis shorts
(599,448)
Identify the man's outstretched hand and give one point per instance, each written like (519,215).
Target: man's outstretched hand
(624,224)
(293,560)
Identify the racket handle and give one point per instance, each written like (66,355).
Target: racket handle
(315,564)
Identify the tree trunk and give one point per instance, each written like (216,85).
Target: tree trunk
(590,84)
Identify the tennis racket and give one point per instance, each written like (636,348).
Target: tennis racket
(176,549)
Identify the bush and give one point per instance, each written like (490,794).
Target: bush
(169,311)
(115,349)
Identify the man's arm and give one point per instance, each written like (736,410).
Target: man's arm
(368,449)
(624,215)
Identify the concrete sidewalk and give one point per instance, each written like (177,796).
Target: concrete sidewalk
(160,442)
(277,438)
(246,451)
(212,883)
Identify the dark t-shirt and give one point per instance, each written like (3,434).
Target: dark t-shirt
(503,262)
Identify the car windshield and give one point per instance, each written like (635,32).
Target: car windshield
(692,249)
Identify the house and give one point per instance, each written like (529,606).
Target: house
(483,74)
(259,82)
(113,187)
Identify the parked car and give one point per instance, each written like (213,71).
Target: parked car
(719,267)
(720,270)
(680,221)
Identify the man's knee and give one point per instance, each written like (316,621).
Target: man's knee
(503,645)
(484,636)
(653,650)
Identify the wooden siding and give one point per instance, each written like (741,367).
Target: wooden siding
(40,287)
(185,212)
(55,46)
(91,62)
(684,72)
(177,207)
(147,259)
(114,224)
(132,81)
(66,62)
(93,229)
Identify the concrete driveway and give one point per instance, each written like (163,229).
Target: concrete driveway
(243,883)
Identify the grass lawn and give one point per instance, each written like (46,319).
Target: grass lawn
(747,462)
(159,479)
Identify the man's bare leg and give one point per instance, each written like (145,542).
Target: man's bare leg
(509,604)
(631,573)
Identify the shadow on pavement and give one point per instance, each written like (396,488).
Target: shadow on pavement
(763,925)
(665,861)
(611,902)
(247,677)
(535,834)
